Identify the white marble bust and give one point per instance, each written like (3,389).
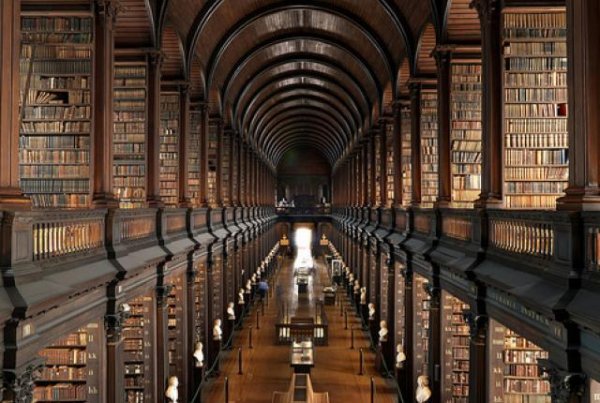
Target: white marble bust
(248,286)
(371,311)
(241,297)
(383,331)
(253,281)
(230,311)
(400,356)
(363,296)
(217,332)
(199,355)
(423,393)
(356,287)
(171,393)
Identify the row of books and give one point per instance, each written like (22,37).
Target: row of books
(533,386)
(129,82)
(130,92)
(130,181)
(66,97)
(59,200)
(29,51)
(556,95)
(56,83)
(555,140)
(55,38)
(54,156)
(535,33)
(45,142)
(56,127)
(129,170)
(405,129)
(536,49)
(470,182)
(60,391)
(130,148)
(58,66)
(56,185)
(534,20)
(58,356)
(129,106)
(537,79)
(57,112)
(536,173)
(535,110)
(460,145)
(516,157)
(538,63)
(535,187)
(530,201)
(52,24)
(63,373)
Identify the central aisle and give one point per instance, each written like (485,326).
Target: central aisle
(266,367)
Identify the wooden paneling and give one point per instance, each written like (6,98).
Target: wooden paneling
(462,23)
(134,25)
(172,68)
(425,60)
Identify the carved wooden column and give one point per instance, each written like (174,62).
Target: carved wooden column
(435,352)
(204,155)
(162,338)
(113,323)
(10,35)
(478,358)
(443,57)
(406,372)
(153,140)
(104,47)
(583,36)
(565,386)
(491,142)
(184,136)
(415,142)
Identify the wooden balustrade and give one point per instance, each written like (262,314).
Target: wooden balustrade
(58,234)
(401,220)
(522,233)
(456,226)
(137,226)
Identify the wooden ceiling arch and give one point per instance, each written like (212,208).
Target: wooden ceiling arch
(326,84)
(134,27)
(173,65)
(267,66)
(308,135)
(295,143)
(338,134)
(461,23)
(403,79)
(425,62)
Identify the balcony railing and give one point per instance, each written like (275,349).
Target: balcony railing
(524,233)
(303,211)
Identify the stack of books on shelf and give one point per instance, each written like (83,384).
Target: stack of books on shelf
(194,158)
(55,120)
(429,148)
(169,148)
(405,132)
(456,350)
(465,134)
(129,142)
(535,107)
(175,319)
(421,339)
(213,161)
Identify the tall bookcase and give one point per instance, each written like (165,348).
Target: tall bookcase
(129,141)
(138,346)
(429,148)
(169,147)
(594,387)
(56,115)
(389,164)
(535,106)
(405,133)
(465,132)
(421,326)
(455,343)
(175,320)
(194,158)
(213,155)
(377,171)
(72,369)
(226,168)
(515,376)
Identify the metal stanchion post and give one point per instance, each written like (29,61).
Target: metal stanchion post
(250,338)
(257,319)
(341,309)
(372,390)
(352,339)
(226,390)
(361,363)
(240,361)
(345,319)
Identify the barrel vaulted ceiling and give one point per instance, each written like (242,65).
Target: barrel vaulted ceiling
(295,74)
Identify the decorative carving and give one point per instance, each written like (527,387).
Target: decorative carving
(19,387)
(477,324)
(563,385)
(109,9)
(162,293)
(443,56)
(486,9)
(156,58)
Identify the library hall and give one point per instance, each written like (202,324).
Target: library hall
(300,201)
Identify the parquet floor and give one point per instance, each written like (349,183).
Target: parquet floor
(266,367)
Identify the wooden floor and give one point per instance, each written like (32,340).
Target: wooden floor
(266,367)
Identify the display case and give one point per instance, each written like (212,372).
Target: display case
(302,357)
